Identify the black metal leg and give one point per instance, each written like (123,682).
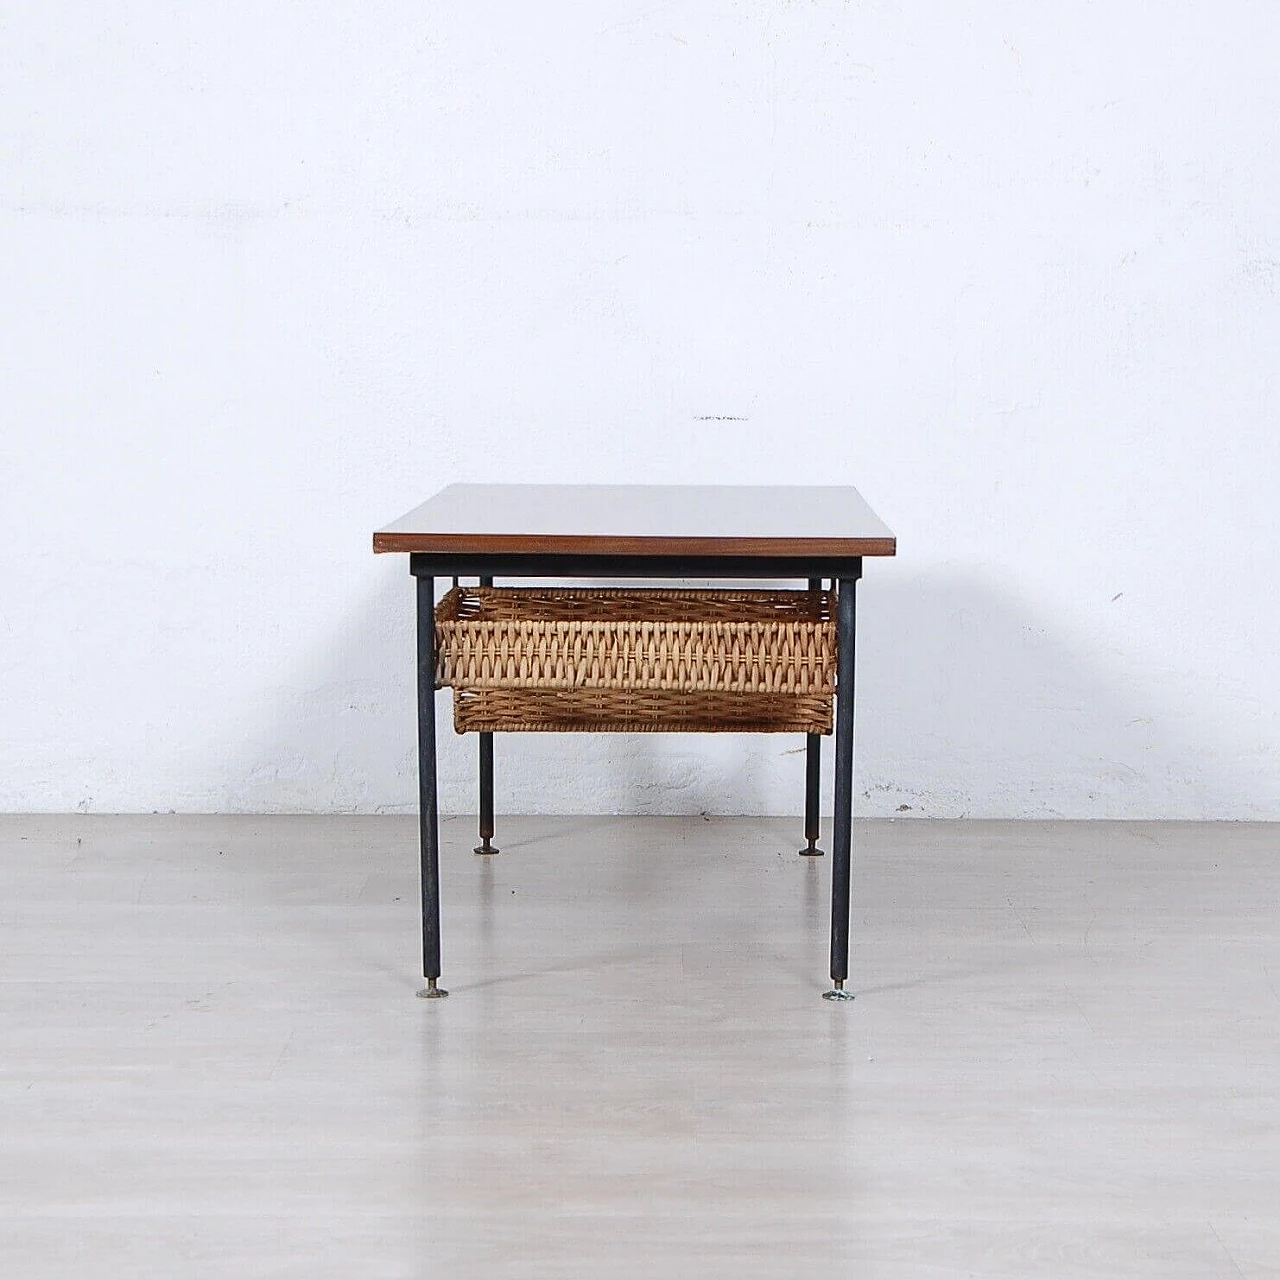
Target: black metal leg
(486,796)
(812,779)
(812,782)
(843,832)
(428,818)
(486,844)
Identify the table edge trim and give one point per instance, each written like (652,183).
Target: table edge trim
(574,544)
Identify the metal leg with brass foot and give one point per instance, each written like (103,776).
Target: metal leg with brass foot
(842,834)
(428,817)
(486,844)
(812,778)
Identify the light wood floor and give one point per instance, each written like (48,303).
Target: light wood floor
(1064,1057)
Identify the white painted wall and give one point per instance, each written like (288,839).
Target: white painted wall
(274,273)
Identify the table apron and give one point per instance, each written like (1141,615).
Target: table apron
(453,565)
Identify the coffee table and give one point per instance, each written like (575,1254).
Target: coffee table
(677,533)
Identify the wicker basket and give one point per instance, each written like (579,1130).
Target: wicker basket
(564,660)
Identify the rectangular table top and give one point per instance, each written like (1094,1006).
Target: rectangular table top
(641,520)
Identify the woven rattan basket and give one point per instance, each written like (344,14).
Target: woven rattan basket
(564,660)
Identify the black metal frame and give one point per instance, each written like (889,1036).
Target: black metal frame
(844,573)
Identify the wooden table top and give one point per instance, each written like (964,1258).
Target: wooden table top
(648,520)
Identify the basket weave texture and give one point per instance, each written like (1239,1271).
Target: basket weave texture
(565,660)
